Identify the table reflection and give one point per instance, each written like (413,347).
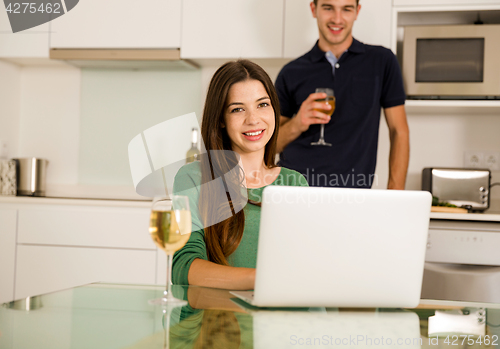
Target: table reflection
(118,316)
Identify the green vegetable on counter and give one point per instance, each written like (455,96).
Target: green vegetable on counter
(436,202)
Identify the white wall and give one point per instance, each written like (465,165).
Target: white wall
(49,123)
(82,120)
(116,105)
(10,96)
(440,140)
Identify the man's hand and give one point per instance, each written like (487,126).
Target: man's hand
(291,129)
(308,113)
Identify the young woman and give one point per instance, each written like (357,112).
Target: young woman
(241,117)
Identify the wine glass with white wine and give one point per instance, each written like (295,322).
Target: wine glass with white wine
(170,229)
(330,99)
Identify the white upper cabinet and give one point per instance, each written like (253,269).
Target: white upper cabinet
(444,2)
(119,24)
(30,43)
(232,29)
(301,30)
(374,23)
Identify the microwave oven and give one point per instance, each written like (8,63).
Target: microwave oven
(452,61)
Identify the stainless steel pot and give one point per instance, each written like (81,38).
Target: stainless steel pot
(31,176)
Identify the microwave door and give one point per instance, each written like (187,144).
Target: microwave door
(450,60)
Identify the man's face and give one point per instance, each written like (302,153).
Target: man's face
(335,20)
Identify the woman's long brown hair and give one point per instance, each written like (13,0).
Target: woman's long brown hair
(223,238)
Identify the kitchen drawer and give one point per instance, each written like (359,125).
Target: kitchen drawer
(85,226)
(43,269)
(8,223)
(463,246)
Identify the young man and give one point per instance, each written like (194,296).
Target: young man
(365,79)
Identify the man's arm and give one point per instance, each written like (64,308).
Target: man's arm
(399,156)
(291,128)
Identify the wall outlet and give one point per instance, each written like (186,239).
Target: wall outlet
(492,160)
(473,159)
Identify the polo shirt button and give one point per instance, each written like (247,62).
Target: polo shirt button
(337,65)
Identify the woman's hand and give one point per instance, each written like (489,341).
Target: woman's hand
(209,274)
(211,298)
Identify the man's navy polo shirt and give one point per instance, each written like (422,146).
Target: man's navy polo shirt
(366,78)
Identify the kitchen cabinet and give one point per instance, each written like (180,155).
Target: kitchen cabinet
(443,2)
(30,43)
(112,227)
(42,269)
(443,12)
(119,24)
(464,242)
(232,29)
(8,222)
(374,23)
(301,30)
(52,244)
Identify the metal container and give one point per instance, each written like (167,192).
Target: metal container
(31,175)
(27,304)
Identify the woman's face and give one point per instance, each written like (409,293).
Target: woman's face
(249,117)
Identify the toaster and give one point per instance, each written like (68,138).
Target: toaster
(463,187)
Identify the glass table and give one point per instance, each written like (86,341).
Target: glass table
(119,316)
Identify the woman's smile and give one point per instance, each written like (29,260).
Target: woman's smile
(254,135)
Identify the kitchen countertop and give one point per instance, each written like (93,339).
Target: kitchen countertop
(110,198)
(125,196)
(482,217)
(19,200)
(86,195)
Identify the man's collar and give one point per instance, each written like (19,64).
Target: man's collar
(316,53)
(356,47)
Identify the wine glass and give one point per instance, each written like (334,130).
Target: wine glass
(330,99)
(170,229)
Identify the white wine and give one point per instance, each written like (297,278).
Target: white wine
(170,230)
(330,100)
(193,154)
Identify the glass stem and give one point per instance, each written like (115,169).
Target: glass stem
(322,132)
(166,329)
(168,291)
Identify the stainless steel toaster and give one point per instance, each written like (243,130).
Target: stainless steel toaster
(464,187)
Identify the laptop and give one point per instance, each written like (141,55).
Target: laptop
(338,247)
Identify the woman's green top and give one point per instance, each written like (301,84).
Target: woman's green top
(187,182)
